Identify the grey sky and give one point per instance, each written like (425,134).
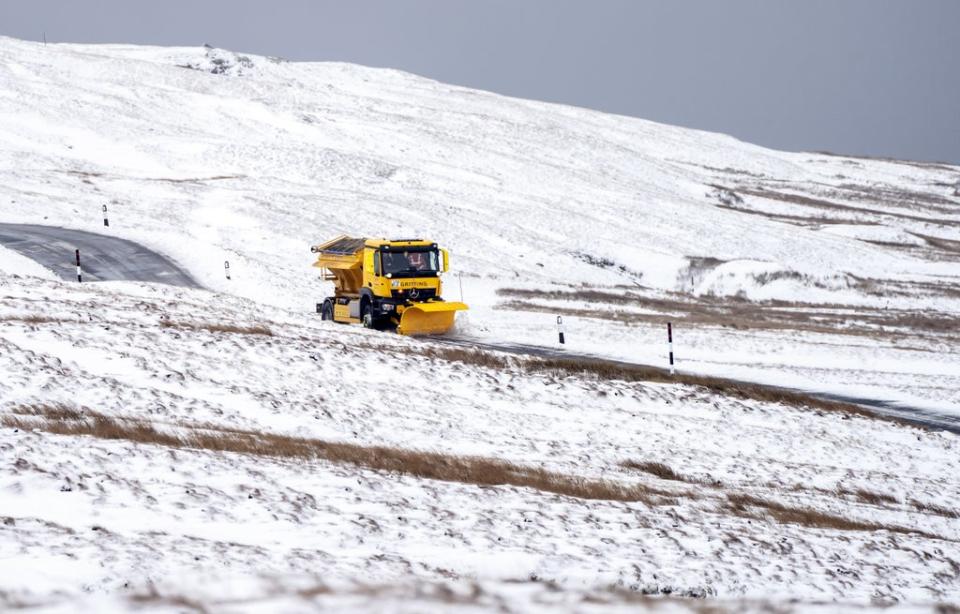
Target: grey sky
(876,77)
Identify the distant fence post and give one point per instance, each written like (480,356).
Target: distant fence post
(106,222)
(560,330)
(79,274)
(670,344)
(226,268)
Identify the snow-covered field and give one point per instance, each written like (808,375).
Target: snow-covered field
(110,513)
(207,155)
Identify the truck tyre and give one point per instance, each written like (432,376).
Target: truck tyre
(326,311)
(366,315)
(368,319)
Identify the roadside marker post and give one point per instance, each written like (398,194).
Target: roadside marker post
(563,341)
(670,344)
(460,278)
(79,273)
(226,268)
(106,222)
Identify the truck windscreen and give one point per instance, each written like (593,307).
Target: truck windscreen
(410,263)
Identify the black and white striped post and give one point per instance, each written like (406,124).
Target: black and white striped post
(670,344)
(79,273)
(226,268)
(106,222)
(560,330)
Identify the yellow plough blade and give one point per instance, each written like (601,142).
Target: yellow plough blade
(429,318)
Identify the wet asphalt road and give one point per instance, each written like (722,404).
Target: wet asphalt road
(103,258)
(106,258)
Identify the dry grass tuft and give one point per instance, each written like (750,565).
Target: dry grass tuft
(609,370)
(51,411)
(585,294)
(749,506)
(612,370)
(256,329)
(660,470)
(467,356)
(152,599)
(431,465)
(868,496)
(933,508)
(31,319)
(481,471)
(733,312)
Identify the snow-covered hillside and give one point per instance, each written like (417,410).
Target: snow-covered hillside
(204,153)
(169,448)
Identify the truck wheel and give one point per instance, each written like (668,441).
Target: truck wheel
(326,311)
(369,320)
(366,315)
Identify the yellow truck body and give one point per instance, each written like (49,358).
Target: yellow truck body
(386,284)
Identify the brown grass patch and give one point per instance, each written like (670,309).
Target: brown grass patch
(797,220)
(859,194)
(749,506)
(946,166)
(213,327)
(583,295)
(868,496)
(475,470)
(924,322)
(51,411)
(152,598)
(611,370)
(731,312)
(626,317)
(725,387)
(32,319)
(897,196)
(660,470)
(933,508)
(467,356)
(195,179)
(800,199)
(947,245)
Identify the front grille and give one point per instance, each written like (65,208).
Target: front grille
(422,294)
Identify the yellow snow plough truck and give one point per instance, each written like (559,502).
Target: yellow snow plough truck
(384,284)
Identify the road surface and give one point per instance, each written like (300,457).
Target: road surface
(103,258)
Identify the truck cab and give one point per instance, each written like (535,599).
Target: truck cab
(387,283)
